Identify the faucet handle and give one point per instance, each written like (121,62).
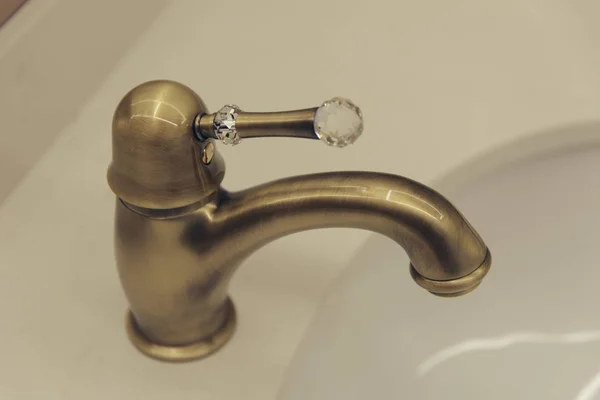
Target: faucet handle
(337,122)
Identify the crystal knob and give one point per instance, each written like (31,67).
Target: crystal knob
(224,124)
(337,122)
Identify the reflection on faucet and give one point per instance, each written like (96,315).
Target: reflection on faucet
(403,198)
(408,200)
(502,342)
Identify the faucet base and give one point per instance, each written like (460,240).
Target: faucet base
(457,294)
(190,352)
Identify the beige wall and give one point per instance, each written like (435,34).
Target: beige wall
(54,55)
(8,7)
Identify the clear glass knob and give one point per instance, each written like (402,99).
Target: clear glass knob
(338,122)
(224,124)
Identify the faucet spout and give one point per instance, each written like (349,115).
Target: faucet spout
(443,247)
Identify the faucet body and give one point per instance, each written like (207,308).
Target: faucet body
(179,236)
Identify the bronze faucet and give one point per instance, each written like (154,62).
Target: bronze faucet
(179,236)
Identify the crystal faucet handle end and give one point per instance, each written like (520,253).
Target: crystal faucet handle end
(337,122)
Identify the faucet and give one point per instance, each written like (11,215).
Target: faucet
(180,236)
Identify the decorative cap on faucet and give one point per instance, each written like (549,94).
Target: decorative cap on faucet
(156,163)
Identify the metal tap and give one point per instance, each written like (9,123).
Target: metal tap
(179,236)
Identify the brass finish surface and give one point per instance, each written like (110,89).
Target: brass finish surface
(155,158)
(208,152)
(175,264)
(297,124)
(454,287)
(193,351)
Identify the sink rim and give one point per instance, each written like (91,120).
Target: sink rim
(546,141)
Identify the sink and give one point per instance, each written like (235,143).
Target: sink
(453,95)
(530,331)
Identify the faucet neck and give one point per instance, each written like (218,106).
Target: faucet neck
(440,243)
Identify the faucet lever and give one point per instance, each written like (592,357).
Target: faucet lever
(337,122)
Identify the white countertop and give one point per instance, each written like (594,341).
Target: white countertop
(438,83)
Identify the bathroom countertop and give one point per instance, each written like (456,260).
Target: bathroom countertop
(438,83)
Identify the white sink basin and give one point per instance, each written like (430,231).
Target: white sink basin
(532,329)
(458,77)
